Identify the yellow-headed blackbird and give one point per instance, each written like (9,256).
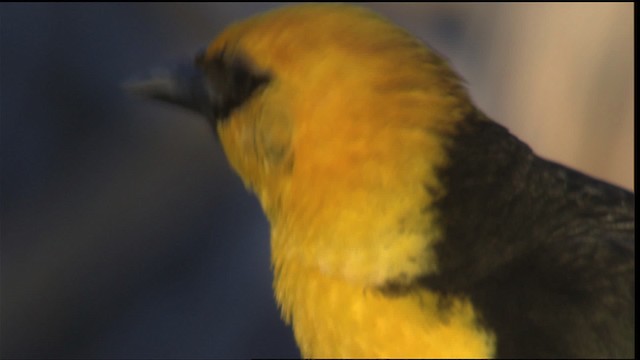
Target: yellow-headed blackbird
(404,222)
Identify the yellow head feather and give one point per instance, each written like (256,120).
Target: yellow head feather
(342,148)
(349,125)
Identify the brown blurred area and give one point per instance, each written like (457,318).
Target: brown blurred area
(124,234)
(558,75)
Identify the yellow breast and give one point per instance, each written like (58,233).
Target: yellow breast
(332,318)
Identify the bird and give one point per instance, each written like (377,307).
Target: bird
(404,222)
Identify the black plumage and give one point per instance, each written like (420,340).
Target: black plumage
(544,253)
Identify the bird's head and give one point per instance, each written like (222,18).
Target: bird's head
(330,113)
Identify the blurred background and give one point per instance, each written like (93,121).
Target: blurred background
(124,234)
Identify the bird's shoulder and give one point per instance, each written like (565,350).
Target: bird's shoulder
(545,253)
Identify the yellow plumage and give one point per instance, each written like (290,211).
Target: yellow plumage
(341,149)
(335,318)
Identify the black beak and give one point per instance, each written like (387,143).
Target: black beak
(185,85)
(213,88)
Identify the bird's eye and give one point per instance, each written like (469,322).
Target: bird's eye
(232,80)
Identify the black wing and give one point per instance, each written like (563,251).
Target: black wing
(545,254)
